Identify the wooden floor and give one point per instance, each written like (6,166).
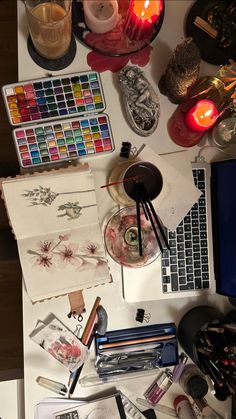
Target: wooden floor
(11,346)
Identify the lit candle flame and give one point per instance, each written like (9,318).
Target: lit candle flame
(146,4)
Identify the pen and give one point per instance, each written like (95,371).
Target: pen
(94,379)
(55,386)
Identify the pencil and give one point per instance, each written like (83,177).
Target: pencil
(135,341)
(89,325)
(86,339)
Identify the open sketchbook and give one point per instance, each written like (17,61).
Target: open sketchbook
(55,221)
(109,407)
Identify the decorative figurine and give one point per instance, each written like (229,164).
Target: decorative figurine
(181,72)
(141,102)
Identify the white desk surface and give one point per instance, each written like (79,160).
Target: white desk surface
(120,313)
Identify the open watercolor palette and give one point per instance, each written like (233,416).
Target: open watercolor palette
(52,99)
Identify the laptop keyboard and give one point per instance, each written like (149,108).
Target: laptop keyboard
(185,266)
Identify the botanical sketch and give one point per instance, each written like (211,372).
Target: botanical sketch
(141,101)
(72,210)
(45,196)
(51,255)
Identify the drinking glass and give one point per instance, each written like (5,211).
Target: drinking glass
(49,23)
(125,193)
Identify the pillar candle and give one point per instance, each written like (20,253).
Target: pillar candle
(141,17)
(100,15)
(201,116)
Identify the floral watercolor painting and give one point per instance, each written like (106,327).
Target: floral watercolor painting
(59,237)
(51,255)
(60,342)
(45,196)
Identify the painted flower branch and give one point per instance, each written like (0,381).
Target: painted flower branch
(51,255)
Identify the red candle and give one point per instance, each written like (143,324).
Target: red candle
(202,116)
(141,16)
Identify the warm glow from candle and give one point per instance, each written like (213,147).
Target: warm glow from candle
(147,9)
(202,116)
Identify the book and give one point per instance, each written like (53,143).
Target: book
(104,408)
(55,221)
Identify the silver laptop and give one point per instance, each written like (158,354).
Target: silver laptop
(187,269)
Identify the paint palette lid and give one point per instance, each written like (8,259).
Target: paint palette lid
(47,99)
(121,239)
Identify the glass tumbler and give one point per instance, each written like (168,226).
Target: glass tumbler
(124,193)
(49,23)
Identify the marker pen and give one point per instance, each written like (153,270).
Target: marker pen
(52,385)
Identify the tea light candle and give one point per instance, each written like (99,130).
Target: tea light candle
(100,16)
(202,116)
(141,17)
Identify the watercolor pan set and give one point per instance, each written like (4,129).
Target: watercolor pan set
(33,103)
(63,140)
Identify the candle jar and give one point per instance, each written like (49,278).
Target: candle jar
(49,23)
(141,18)
(124,192)
(100,15)
(198,112)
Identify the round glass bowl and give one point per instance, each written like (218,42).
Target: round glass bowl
(224,133)
(121,239)
(115,42)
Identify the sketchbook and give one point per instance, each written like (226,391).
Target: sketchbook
(105,408)
(55,221)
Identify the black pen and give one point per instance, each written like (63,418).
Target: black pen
(76,374)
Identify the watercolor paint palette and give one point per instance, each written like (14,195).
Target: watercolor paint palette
(53,98)
(32,104)
(63,140)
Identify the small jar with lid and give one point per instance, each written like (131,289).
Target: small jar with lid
(193,382)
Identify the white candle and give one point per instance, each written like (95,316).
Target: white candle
(100,15)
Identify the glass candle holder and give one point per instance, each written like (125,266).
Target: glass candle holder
(198,112)
(224,133)
(50,26)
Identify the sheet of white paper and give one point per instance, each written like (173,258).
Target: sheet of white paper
(178,193)
(99,409)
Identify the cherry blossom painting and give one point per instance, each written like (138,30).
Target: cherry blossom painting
(51,255)
(55,220)
(60,342)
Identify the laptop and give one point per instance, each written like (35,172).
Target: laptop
(202,255)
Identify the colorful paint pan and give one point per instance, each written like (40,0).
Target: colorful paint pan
(63,140)
(54,98)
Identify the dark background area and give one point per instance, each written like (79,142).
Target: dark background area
(11,345)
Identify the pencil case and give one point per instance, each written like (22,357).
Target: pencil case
(136,349)
(40,109)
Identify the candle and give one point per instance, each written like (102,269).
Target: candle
(141,17)
(202,116)
(100,16)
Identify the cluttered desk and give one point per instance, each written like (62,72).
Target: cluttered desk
(125,230)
